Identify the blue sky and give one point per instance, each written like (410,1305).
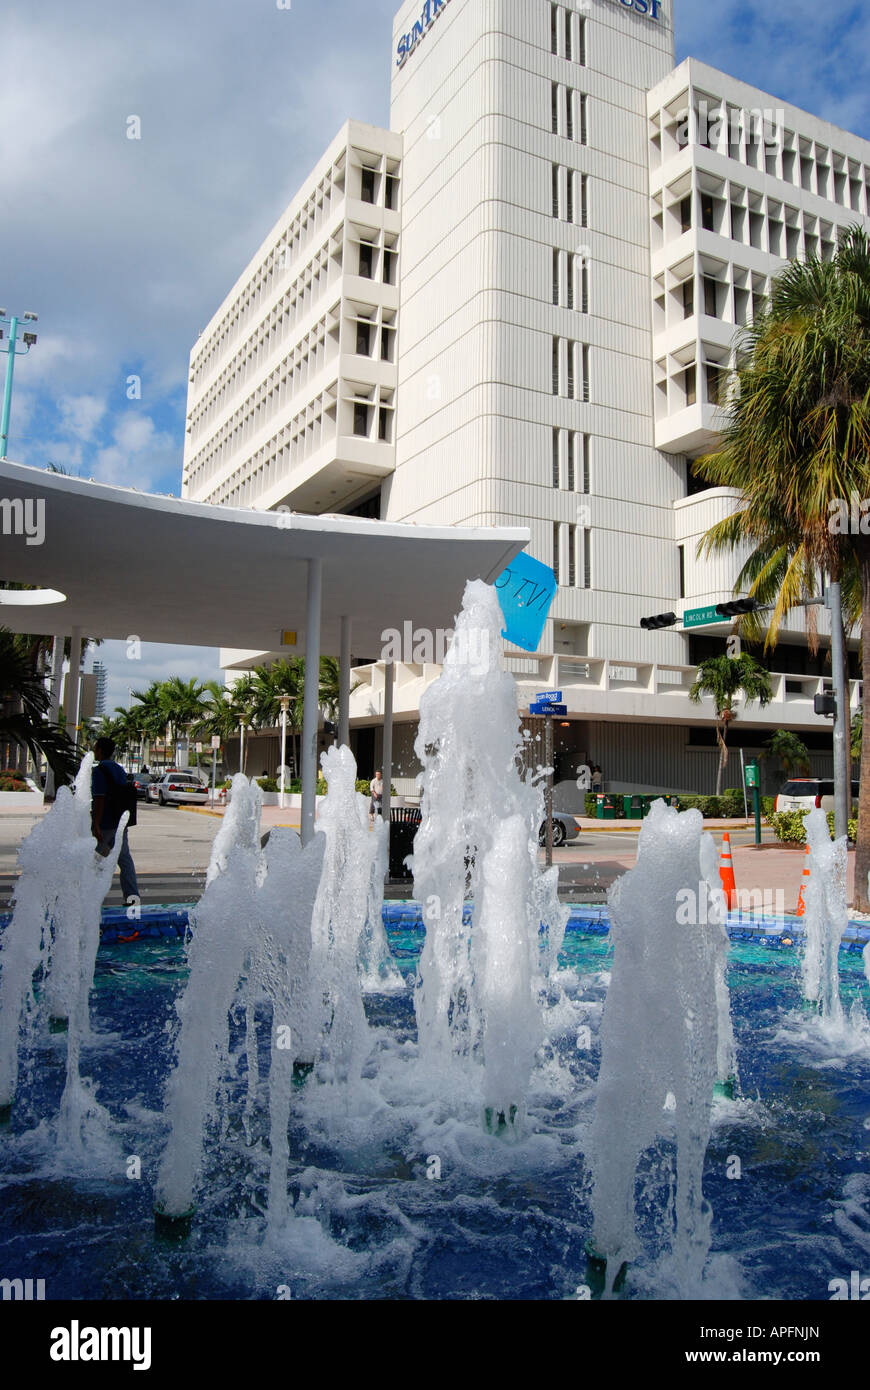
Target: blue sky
(126,247)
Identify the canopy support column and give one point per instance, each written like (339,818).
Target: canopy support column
(71,688)
(387,770)
(311,700)
(344,685)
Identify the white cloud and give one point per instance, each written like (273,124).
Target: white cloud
(82,414)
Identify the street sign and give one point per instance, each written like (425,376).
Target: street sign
(550,697)
(751,771)
(541,708)
(700,617)
(198,747)
(215,741)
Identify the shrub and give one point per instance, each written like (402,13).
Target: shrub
(591,804)
(790,826)
(768,806)
(10,783)
(731,804)
(268,784)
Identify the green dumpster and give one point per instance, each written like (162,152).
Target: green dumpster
(605,806)
(635,806)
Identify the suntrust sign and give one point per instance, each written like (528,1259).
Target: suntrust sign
(651,8)
(408,42)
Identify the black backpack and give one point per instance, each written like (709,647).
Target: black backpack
(121,795)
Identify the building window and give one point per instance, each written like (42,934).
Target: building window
(584,119)
(361,419)
(569,36)
(569,480)
(681,552)
(714,383)
(366,259)
(688,292)
(691,385)
(569,281)
(556,477)
(554,29)
(586,463)
(707,212)
(584,200)
(384,423)
(572,349)
(364,339)
(367,186)
(555,190)
(569,114)
(555,277)
(555,366)
(710,297)
(686,213)
(587,557)
(581,43)
(387,335)
(557,568)
(554,112)
(586,383)
(391,192)
(390,262)
(572,556)
(584,287)
(569,210)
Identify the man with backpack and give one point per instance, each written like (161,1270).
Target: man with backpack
(111,796)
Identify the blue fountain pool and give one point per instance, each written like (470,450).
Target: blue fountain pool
(408,1198)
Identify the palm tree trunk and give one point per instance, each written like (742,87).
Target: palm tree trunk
(723,757)
(862,847)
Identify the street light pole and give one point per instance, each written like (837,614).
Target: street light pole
(28,340)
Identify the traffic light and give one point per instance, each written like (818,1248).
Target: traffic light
(737,606)
(659,620)
(825,704)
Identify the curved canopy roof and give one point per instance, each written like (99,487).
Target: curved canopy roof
(168,570)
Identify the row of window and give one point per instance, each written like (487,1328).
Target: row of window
(308,221)
(759,139)
(274,461)
(571,461)
(570,281)
(570,114)
(571,369)
(281,386)
(765,224)
(572,555)
(293,306)
(567,34)
(570,195)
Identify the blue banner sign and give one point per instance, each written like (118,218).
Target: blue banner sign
(525,591)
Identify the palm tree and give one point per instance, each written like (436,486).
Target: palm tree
(796,446)
(149,711)
(790,749)
(723,677)
(24,706)
(224,708)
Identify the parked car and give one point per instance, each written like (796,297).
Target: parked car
(178,787)
(564,828)
(804,793)
(141,781)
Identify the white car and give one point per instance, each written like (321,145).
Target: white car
(805,793)
(178,787)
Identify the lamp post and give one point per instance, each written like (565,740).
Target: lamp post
(285,704)
(28,338)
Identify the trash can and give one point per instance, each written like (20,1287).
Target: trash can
(404,823)
(605,806)
(635,806)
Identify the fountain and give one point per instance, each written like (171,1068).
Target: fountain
(347,1112)
(665,1040)
(479,994)
(825,919)
(56,925)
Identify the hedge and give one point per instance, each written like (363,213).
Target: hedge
(790,828)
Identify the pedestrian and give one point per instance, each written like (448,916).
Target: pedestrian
(597,778)
(376,787)
(110,796)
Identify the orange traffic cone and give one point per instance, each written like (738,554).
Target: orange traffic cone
(726,871)
(801,907)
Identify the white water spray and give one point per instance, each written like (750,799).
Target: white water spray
(825,919)
(665,1036)
(479,994)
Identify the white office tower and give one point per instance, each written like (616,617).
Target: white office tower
(521,304)
(292,391)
